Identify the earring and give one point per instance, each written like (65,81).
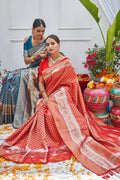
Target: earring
(33,37)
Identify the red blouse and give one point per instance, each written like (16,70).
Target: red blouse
(43,65)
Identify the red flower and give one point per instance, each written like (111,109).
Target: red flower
(4,81)
(89,56)
(91,67)
(93,62)
(85,65)
(87,61)
(118,48)
(94,55)
(113,42)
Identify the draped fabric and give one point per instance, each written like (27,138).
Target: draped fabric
(8,97)
(19,95)
(64,127)
(28,92)
(110,9)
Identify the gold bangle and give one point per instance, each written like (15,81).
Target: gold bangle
(33,60)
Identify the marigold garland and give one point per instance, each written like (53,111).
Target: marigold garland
(108,79)
(95,85)
(83,77)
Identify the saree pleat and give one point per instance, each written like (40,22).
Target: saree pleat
(64,127)
(27,97)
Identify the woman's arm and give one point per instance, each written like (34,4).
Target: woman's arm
(29,60)
(43,92)
(33,58)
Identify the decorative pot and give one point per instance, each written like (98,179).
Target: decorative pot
(115,94)
(115,116)
(97,101)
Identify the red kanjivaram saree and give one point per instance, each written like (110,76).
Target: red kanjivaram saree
(64,128)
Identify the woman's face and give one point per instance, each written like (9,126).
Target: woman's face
(38,32)
(52,46)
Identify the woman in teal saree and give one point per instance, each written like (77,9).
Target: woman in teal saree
(19,95)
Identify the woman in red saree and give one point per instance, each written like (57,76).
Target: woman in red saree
(62,126)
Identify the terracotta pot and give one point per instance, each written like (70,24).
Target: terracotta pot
(115,94)
(97,101)
(115,116)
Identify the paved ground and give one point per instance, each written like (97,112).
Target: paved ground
(65,170)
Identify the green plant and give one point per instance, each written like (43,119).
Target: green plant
(113,33)
(96,59)
(3,73)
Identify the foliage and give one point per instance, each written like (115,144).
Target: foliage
(96,59)
(113,33)
(3,73)
(93,10)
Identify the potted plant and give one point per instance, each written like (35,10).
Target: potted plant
(95,60)
(97,65)
(113,34)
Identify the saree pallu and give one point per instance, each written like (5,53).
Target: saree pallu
(64,127)
(28,92)
(14,92)
(8,97)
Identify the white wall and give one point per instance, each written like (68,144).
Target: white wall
(4,36)
(67,18)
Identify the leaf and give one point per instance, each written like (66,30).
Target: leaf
(117,30)
(112,55)
(92,9)
(110,37)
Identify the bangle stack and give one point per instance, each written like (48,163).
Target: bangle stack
(33,60)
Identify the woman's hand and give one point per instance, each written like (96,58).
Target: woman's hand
(43,93)
(42,54)
(45,101)
(45,98)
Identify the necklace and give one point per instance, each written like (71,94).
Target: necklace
(54,61)
(37,41)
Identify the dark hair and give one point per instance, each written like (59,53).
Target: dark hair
(38,22)
(54,37)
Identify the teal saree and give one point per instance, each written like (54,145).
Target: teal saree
(19,95)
